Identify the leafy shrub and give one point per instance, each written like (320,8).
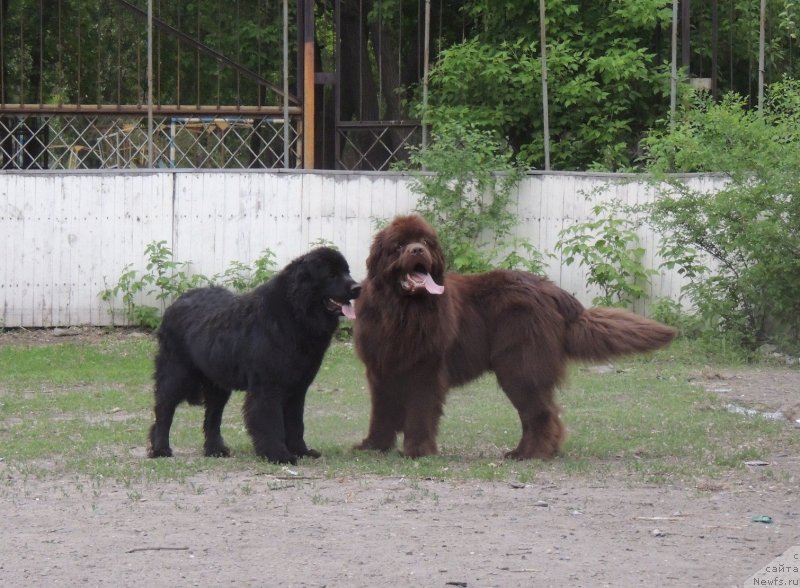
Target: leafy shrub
(166,279)
(670,312)
(610,249)
(466,197)
(751,227)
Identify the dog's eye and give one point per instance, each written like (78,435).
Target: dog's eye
(401,246)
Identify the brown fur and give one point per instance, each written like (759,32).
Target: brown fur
(519,325)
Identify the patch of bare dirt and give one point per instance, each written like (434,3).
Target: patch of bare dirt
(44,336)
(249,530)
(771,392)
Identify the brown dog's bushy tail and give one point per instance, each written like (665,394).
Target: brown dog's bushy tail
(602,333)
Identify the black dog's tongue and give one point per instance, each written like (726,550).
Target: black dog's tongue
(348,311)
(427,281)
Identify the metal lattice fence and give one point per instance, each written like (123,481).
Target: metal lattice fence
(77,78)
(75,85)
(92,141)
(375,146)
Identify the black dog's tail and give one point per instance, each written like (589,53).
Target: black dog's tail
(603,333)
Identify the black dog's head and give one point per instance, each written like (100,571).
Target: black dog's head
(407,254)
(320,280)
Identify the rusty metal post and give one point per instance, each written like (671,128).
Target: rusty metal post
(308,84)
(686,31)
(714,47)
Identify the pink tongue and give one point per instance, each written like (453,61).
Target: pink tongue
(431,286)
(348,311)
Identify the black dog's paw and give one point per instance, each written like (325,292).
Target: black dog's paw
(312,453)
(159,452)
(217,451)
(287,459)
(280,457)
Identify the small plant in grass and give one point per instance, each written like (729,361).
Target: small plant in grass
(165,279)
(321,242)
(241,277)
(670,312)
(610,249)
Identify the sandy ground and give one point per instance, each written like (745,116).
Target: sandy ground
(290,531)
(294,530)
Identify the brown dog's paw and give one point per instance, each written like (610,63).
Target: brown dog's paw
(415,450)
(521,456)
(370,445)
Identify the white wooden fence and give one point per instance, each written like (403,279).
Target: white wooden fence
(64,237)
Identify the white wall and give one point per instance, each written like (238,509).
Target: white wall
(65,236)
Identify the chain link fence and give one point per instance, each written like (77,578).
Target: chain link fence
(93,141)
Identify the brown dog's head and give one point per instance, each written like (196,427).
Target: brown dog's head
(407,254)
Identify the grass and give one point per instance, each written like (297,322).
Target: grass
(85,408)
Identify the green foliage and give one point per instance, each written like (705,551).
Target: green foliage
(670,312)
(610,249)
(608,71)
(605,84)
(738,39)
(608,62)
(93,52)
(241,277)
(165,279)
(467,197)
(750,228)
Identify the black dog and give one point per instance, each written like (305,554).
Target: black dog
(269,342)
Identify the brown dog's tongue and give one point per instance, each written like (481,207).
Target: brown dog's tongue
(431,286)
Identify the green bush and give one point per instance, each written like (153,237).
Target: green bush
(166,279)
(605,85)
(751,227)
(610,249)
(465,193)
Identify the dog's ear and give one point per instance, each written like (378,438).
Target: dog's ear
(439,263)
(376,254)
(300,279)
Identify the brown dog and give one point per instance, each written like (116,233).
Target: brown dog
(420,332)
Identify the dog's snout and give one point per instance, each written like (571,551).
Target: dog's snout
(416,249)
(355,290)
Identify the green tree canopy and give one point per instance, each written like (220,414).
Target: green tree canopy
(608,70)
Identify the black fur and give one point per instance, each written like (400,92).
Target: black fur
(269,342)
